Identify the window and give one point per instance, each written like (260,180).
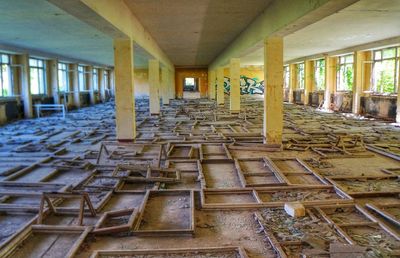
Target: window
(37,69)
(385,70)
(63,77)
(95,80)
(190,84)
(81,78)
(106,79)
(345,73)
(319,74)
(5,76)
(300,75)
(286,76)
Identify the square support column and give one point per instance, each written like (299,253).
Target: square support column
(211,84)
(53,80)
(220,86)
(89,84)
(330,80)
(154,84)
(102,85)
(273,93)
(360,59)
(165,86)
(234,72)
(26,85)
(292,81)
(74,83)
(309,82)
(124,89)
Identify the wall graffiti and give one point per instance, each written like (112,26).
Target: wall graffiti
(247,86)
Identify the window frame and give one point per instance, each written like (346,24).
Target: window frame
(82,78)
(95,79)
(9,71)
(300,76)
(343,62)
(396,77)
(40,69)
(65,72)
(317,69)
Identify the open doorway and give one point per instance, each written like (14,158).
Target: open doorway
(191,88)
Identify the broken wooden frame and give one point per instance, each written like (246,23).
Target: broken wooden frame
(342,181)
(236,251)
(138,230)
(101,226)
(84,199)
(16,245)
(260,197)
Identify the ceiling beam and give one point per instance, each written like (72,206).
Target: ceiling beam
(115,19)
(280,18)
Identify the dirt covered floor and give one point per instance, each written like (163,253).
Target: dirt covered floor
(199,182)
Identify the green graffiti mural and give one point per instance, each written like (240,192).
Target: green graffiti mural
(247,85)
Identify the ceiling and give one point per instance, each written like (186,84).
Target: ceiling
(194,34)
(363,22)
(39,26)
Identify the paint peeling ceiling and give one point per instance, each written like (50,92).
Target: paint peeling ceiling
(363,22)
(193,33)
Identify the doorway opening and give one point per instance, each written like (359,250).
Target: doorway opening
(191,87)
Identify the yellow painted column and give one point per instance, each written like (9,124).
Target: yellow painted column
(154,84)
(273,95)
(26,85)
(292,81)
(73,75)
(359,61)
(211,84)
(124,89)
(165,86)
(220,86)
(330,80)
(309,82)
(234,73)
(89,84)
(53,79)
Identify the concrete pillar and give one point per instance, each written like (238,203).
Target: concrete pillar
(211,84)
(102,85)
(74,83)
(309,82)
(292,81)
(165,85)
(359,61)
(53,79)
(154,84)
(26,86)
(220,86)
(89,84)
(234,74)
(124,89)
(273,95)
(330,80)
